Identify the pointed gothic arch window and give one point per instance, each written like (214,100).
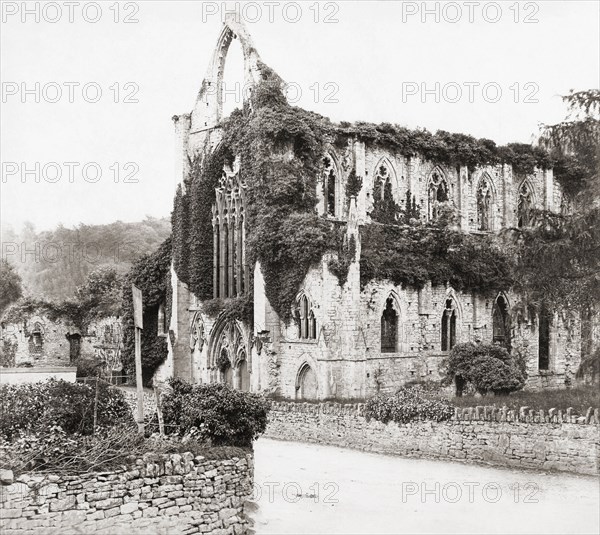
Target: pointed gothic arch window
(389,328)
(330,186)
(544,324)
(381,182)
(449,325)
(230,274)
(501,323)
(524,205)
(307,323)
(484,204)
(437,192)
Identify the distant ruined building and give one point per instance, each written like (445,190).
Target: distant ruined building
(350,341)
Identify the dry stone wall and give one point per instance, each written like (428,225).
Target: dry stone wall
(158,494)
(526,439)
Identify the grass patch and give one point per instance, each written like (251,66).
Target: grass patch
(580,398)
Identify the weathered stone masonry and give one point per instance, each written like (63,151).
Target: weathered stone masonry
(529,439)
(174,494)
(337,352)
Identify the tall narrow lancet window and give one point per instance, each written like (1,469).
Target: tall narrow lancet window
(449,325)
(230,274)
(330,186)
(524,206)
(484,205)
(305,316)
(381,183)
(544,323)
(389,328)
(437,193)
(501,323)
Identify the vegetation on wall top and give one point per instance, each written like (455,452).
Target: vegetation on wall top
(99,297)
(281,149)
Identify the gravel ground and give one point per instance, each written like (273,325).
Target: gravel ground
(306,488)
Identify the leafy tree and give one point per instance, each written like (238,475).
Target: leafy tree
(10,285)
(488,367)
(215,413)
(559,256)
(55,262)
(100,294)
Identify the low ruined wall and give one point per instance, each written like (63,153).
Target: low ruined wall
(526,439)
(175,494)
(13,376)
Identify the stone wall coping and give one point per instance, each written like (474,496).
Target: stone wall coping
(41,369)
(149,465)
(483,413)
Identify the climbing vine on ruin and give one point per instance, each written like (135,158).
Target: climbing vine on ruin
(412,255)
(151,274)
(281,148)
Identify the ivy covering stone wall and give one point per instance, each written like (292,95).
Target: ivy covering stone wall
(281,149)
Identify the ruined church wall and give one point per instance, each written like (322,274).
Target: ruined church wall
(102,341)
(333,355)
(413,173)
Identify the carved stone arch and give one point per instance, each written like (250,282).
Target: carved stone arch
(486,202)
(36,323)
(197,332)
(228,335)
(308,383)
(304,314)
(385,162)
(450,320)
(451,294)
(439,190)
(208,110)
(391,324)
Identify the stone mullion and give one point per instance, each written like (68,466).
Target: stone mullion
(245,266)
(230,253)
(239,255)
(222,252)
(215,257)
(234,256)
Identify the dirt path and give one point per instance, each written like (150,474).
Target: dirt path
(306,488)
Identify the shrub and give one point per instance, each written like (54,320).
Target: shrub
(406,405)
(215,413)
(488,367)
(37,408)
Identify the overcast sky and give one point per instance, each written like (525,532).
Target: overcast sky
(373,58)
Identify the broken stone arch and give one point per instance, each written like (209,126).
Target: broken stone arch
(208,111)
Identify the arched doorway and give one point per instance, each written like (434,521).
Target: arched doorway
(307,386)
